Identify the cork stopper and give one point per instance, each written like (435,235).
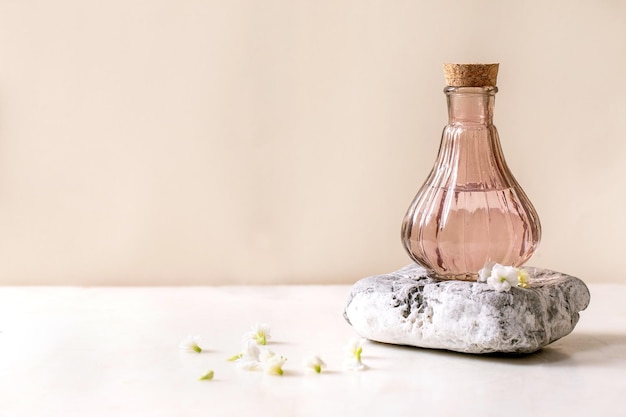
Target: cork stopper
(471,75)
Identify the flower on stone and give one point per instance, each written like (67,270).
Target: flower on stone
(314,364)
(249,357)
(353,351)
(523,278)
(484,273)
(260,333)
(208,376)
(272,363)
(190,344)
(502,278)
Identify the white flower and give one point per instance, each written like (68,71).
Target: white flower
(354,348)
(272,364)
(353,351)
(190,344)
(502,278)
(248,359)
(207,377)
(260,333)
(314,363)
(484,273)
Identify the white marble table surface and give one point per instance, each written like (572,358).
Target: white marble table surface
(68,351)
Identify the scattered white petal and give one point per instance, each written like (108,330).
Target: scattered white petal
(190,344)
(251,350)
(247,365)
(248,359)
(272,364)
(354,348)
(353,365)
(314,364)
(353,351)
(260,333)
(266,355)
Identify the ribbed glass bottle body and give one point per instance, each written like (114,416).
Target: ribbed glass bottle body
(471,210)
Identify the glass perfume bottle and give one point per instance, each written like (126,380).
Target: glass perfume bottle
(470,211)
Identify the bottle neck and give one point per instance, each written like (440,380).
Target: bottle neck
(471,105)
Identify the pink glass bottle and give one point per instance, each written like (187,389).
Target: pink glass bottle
(471,210)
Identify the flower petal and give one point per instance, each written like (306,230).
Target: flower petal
(353,365)
(190,344)
(273,364)
(485,272)
(314,363)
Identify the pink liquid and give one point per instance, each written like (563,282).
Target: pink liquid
(471,210)
(455,233)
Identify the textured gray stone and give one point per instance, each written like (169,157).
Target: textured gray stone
(406,307)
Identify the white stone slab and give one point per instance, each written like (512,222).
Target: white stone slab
(407,307)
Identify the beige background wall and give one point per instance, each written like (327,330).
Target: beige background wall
(259,141)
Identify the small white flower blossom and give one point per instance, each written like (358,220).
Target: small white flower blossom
(190,344)
(502,278)
(314,363)
(271,363)
(353,351)
(248,359)
(260,333)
